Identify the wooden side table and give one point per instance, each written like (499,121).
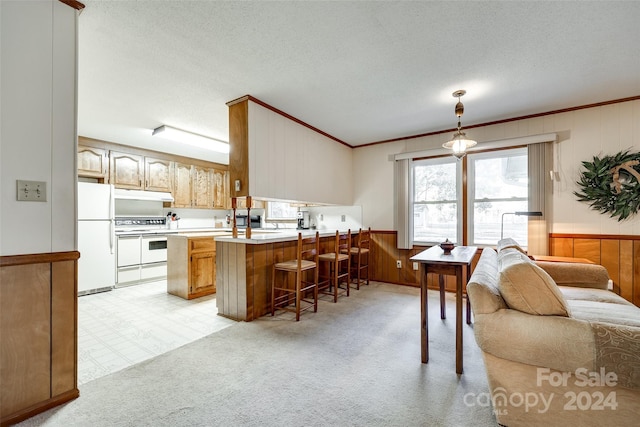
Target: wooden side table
(458,263)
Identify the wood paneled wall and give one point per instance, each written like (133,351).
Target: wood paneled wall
(385,253)
(243,278)
(620,255)
(38,326)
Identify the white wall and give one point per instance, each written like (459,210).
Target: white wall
(38,125)
(288,161)
(582,134)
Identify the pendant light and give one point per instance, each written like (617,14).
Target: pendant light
(459,143)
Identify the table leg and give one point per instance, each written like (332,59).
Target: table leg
(468,269)
(443,311)
(459,319)
(424,323)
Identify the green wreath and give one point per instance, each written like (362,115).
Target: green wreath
(612,184)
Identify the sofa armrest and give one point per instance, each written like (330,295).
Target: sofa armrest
(577,275)
(555,342)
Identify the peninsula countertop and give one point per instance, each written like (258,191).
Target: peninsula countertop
(262,236)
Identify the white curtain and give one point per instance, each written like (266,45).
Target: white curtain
(401,216)
(540,196)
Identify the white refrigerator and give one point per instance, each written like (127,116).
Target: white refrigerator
(96,238)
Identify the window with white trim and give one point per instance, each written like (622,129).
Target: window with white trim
(496,183)
(281,211)
(436,202)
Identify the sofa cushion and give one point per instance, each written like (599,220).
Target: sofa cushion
(508,242)
(591,294)
(527,287)
(576,274)
(482,288)
(605,312)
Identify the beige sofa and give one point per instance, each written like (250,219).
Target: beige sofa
(558,347)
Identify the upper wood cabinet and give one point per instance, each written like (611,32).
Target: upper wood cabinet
(220,189)
(181,186)
(126,170)
(93,162)
(197,184)
(202,194)
(157,174)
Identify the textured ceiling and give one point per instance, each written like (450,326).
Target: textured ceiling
(361,71)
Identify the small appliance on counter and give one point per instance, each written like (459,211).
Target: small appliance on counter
(303,220)
(243,220)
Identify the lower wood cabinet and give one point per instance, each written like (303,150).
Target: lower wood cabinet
(191,266)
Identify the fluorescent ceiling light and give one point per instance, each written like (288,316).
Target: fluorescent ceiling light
(189,138)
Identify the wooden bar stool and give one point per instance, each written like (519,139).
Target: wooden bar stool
(306,261)
(338,263)
(360,258)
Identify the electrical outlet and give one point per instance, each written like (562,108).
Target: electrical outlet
(31,191)
(237,185)
(399,263)
(415,265)
(343,218)
(321,217)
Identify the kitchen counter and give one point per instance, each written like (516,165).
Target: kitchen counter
(262,236)
(170,231)
(244,267)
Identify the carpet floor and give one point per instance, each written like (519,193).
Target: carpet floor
(353,363)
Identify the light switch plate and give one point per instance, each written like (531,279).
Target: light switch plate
(31,191)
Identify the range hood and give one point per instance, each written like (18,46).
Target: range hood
(157,196)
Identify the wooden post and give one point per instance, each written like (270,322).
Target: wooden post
(247,233)
(235,227)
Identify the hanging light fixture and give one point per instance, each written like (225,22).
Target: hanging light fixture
(459,143)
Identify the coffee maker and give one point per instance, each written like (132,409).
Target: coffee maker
(303,220)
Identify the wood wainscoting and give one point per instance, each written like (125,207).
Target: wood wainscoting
(385,253)
(620,255)
(38,326)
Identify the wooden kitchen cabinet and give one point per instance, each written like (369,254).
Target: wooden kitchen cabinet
(93,162)
(203,273)
(220,189)
(181,186)
(157,174)
(202,194)
(192,182)
(191,266)
(241,203)
(126,170)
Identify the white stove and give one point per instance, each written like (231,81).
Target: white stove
(142,249)
(140,223)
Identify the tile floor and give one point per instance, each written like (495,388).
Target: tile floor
(125,326)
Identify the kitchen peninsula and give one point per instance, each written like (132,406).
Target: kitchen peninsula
(243,269)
